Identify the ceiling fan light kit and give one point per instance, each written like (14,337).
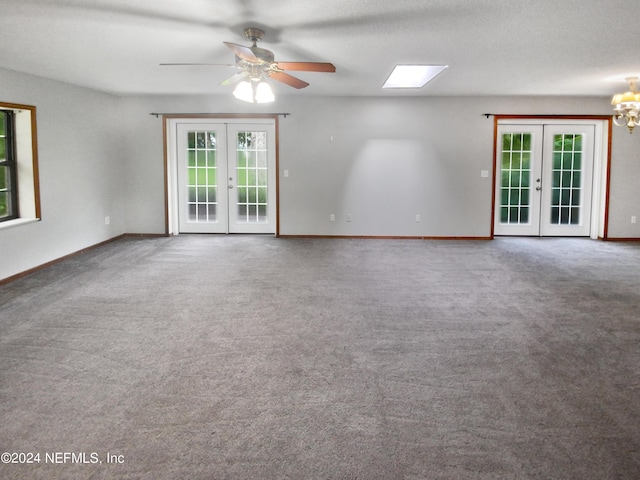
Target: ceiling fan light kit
(254,92)
(264,94)
(244,92)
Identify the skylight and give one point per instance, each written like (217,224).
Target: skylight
(412,76)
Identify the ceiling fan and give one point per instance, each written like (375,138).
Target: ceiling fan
(255,63)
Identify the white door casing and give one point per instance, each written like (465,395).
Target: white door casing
(222,176)
(545,178)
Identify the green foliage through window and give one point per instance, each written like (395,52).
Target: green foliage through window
(515,175)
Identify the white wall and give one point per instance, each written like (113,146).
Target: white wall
(390,159)
(382,160)
(624,199)
(81,172)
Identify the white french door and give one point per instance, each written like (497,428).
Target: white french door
(544,185)
(226,177)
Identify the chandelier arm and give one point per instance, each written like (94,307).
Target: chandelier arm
(619,120)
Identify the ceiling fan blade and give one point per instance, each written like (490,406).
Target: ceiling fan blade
(243,52)
(235,78)
(306,66)
(197,65)
(288,79)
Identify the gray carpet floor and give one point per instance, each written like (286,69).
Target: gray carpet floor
(253,357)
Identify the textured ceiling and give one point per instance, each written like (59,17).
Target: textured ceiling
(492,47)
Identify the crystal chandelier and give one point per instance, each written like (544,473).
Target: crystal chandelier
(627,106)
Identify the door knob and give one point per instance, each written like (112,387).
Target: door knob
(538,188)
(230,186)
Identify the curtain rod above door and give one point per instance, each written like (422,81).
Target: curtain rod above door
(228,115)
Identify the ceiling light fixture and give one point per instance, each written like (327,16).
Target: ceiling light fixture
(255,91)
(413,76)
(627,106)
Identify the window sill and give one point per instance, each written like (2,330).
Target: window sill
(17,222)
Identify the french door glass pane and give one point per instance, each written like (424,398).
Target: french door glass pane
(566,179)
(202,170)
(251,173)
(515,178)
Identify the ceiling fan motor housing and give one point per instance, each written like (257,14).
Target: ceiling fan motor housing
(255,35)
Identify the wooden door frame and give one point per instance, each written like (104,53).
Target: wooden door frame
(602,163)
(168,120)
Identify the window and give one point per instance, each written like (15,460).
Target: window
(19,190)
(8,167)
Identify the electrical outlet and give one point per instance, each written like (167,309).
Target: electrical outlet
(332,218)
(633,219)
(418,218)
(107,220)
(348,217)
